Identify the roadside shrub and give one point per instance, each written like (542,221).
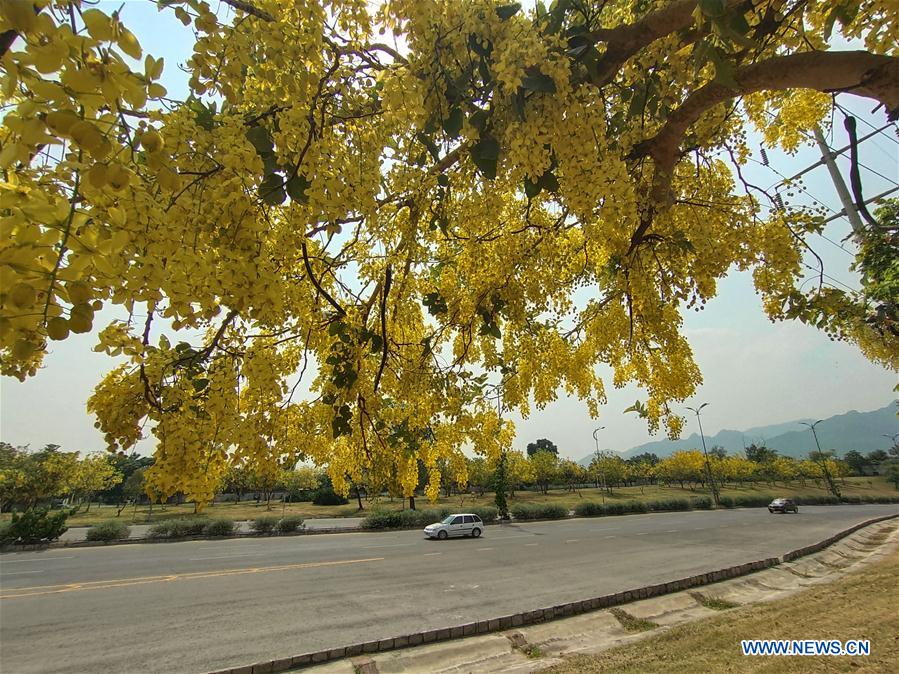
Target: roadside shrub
(402,519)
(4,533)
(852,499)
(539,511)
(219,527)
(36,525)
(290,524)
(669,504)
(265,524)
(726,502)
(177,528)
(702,503)
(588,509)
(325,494)
(750,501)
(110,530)
(486,513)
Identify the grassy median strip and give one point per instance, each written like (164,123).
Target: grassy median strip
(861,605)
(632,623)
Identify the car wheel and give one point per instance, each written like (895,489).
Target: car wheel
(441,535)
(475,533)
(771,510)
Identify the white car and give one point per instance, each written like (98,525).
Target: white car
(459,524)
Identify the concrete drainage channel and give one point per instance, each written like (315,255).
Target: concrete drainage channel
(575,626)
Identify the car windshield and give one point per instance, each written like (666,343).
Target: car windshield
(449,519)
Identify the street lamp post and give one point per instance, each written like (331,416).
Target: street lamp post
(602,470)
(708,467)
(822,460)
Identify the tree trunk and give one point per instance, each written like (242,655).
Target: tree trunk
(412,502)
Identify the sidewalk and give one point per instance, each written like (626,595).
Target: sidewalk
(317,524)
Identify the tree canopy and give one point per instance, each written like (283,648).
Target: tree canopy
(404,211)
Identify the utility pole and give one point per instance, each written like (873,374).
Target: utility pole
(602,470)
(708,467)
(838,183)
(822,461)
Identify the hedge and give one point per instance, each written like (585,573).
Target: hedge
(110,530)
(219,527)
(290,524)
(402,519)
(538,511)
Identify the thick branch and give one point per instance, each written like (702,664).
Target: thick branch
(856,72)
(622,42)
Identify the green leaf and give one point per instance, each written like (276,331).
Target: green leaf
(531,188)
(474,43)
(724,72)
(452,125)
(549,182)
(485,155)
(271,189)
(377,343)
(296,188)
(538,82)
(508,11)
(435,303)
(336,328)
(443,180)
(203,116)
(261,139)
(200,384)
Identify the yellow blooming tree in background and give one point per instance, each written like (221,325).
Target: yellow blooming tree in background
(508,195)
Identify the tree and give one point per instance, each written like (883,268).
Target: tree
(479,475)
(27,478)
(760,453)
(608,469)
(545,466)
(645,457)
(93,473)
(300,480)
(571,474)
(542,445)
(875,456)
(891,472)
(133,488)
(126,464)
(856,461)
(416,225)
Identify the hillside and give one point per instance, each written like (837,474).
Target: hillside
(862,431)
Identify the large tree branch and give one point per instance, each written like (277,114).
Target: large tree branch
(861,73)
(623,42)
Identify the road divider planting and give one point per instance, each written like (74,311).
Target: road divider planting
(112,530)
(539,511)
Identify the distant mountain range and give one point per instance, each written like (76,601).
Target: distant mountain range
(862,431)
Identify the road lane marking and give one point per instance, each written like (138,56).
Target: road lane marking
(19,573)
(528,545)
(645,533)
(391,545)
(31,561)
(573,540)
(37,590)
(610,536)
(244,554)
(672,531)
(431,554)
(484,549)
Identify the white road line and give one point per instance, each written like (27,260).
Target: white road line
(610,536)
(528,545)
(573,540)
(672,531)
(19,573)
(698,528)
(484,549)
(431,554)
(645,533)
(391,545)
(505,538)
(31,561)
(246,554)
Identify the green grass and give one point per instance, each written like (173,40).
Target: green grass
(632,623)
(714,603)
(250,510)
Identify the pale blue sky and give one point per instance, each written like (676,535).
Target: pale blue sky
(755,372)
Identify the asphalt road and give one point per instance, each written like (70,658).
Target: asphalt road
(203,605)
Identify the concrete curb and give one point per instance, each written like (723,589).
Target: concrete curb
(539,615)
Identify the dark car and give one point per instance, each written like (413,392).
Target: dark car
(783,505)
